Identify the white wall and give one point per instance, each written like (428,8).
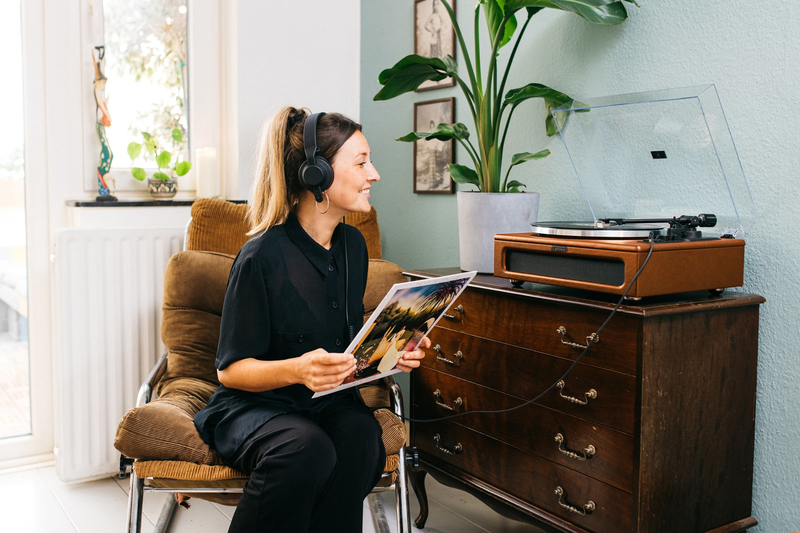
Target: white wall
(749,51)
(301,53)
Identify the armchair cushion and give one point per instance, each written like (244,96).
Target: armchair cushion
(220,226)
(194,290)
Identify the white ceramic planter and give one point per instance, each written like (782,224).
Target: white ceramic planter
(482,215)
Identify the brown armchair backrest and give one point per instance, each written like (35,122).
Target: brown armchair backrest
(194,290)
(220,226)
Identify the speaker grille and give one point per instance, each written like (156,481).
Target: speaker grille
(602,271)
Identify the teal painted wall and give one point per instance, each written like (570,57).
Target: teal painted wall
(749,53)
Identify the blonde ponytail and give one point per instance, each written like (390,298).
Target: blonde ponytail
(271,199)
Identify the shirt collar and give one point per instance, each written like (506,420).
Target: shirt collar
(315,252)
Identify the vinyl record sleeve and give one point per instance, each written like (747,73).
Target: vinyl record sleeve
(404,317)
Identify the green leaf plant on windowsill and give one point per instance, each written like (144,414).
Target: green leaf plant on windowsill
(163,184)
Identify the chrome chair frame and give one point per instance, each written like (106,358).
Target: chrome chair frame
(139,485)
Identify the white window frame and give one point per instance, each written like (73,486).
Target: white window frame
(205,82)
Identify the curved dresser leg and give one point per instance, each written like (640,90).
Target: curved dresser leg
(418,484)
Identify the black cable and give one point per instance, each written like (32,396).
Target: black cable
(350,331)
(592,340)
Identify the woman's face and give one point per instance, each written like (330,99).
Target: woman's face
(353,175)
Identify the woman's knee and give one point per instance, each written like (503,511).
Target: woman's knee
(302,453)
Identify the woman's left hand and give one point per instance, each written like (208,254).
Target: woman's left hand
(411,360)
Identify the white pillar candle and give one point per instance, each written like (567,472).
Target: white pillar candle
(207,179)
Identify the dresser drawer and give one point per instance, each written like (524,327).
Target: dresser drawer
(597,451)
(525,374)
(535,325)
(526,476)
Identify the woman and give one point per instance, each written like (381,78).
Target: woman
(311,461)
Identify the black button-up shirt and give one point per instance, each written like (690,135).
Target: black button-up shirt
(281,302)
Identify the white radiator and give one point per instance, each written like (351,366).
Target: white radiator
(109,287)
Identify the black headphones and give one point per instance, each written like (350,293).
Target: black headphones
(315,174)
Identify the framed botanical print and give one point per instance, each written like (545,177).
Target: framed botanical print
(431,157)
(434,35)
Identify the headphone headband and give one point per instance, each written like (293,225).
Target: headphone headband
(315,174)
(310,137)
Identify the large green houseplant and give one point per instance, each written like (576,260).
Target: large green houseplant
(491,105)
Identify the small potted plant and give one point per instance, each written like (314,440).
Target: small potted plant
(481,216)
(164,184)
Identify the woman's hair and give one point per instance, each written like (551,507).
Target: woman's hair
(277,188)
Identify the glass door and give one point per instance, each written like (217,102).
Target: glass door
(15,398)
(26,428)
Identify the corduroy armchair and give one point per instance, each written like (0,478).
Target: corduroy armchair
(158,440)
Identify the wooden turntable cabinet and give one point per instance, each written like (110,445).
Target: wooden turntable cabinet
(609,265)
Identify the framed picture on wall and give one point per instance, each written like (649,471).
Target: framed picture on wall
(431,158)
(434,35)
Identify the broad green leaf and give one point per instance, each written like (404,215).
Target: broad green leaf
(552,99)
(146,136)
(177,135)
(163,159)
(410,72)
(606,12)
(462,174)
(442,132)
(182,168)
(535,90)
(150,144)
(520,158)
(493,9)
(138,173)
(160,176)
(134,149)
(513,186)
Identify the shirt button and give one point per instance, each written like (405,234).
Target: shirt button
(335,305)
(300,338)
(338,342)
(330,268)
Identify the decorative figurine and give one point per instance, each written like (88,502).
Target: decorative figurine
(105,180)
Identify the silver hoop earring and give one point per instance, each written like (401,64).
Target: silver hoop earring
(316,204)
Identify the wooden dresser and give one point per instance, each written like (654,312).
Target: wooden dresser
(652,431)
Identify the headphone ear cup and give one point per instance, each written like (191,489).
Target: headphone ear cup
(327,173)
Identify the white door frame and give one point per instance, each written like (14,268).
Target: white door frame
(38,445)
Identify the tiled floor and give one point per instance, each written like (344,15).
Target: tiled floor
(33,500)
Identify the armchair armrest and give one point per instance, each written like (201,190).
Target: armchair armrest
(146,390)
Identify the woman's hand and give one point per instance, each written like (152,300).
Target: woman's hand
(320,370)
(411,360)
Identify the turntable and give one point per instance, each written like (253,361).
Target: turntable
(658,171)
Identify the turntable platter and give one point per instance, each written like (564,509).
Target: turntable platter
(596,230)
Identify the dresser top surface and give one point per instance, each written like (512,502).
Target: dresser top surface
(652,306)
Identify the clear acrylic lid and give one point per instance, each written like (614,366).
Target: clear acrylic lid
(656,155)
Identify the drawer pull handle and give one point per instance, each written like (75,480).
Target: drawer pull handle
(588,452)
(591,395)
(459,309)
(455,451)
(458,355)
(458,402)
(587,508)
(590,339)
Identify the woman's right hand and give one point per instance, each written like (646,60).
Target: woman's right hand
(320,370)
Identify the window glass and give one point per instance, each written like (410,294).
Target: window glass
(145,63)
(15,399)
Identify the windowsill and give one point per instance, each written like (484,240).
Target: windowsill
(139,203)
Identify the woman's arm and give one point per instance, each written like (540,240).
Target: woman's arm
(318,370)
